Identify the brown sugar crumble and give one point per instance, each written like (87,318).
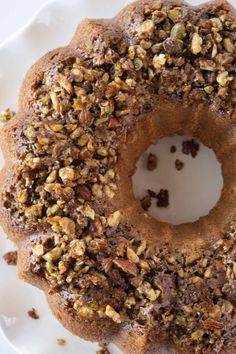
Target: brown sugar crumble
(179,164)
(61,341)
(190,147)
(10,257)
(152,162)
(33,314)
(146,202)
(173,149)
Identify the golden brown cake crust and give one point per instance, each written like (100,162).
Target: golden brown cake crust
(86,113)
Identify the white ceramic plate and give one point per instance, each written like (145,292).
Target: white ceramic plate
(51,27)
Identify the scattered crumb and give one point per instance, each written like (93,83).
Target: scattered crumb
(10,258)
(190,147)
(173,149)
(33,314)
(6,115)
(152,194)
(163,198)
(179,165)
(61,341)
(103,350)
(152,162)
(146,202)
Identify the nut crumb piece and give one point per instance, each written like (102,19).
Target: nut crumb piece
(114,219)
(6,115)
(146,202)
(33,314)
(152,194)
(190,147)
(173,149)
(163,198)
(179,165)
(61,341)
(111,313)
(10,258)
(196,45)
(159,61)
(151,162)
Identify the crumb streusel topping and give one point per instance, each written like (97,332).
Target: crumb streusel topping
(68,151)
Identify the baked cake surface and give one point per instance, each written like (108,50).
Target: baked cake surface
(86,113)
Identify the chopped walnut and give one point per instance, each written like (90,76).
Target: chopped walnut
(179,164)
(178,31)
(113,220)
(10,257)
(163,198)
(34,211)
(229,46)
(33,314)
(222,78)
(67,225)
(196,44)
(6,115)
(78,248)
(159,60)
(146,202)
(53,255)
(67,174)
(61,341)
(38,250)
(23,196)
(152,162)
(132,256)
(146,28)
(190,147)
(111,313)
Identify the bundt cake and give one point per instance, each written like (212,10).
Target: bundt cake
(86,113)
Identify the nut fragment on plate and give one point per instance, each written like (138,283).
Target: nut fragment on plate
(152,162)
(146,202)
(162,197)
(179,164)
(61,341)
(10,257)
(190,147)
(103,349)
(33,314)
(6,115)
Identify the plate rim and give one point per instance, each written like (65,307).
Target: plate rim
(28,23)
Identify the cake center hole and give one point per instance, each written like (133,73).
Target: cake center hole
(178,180)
